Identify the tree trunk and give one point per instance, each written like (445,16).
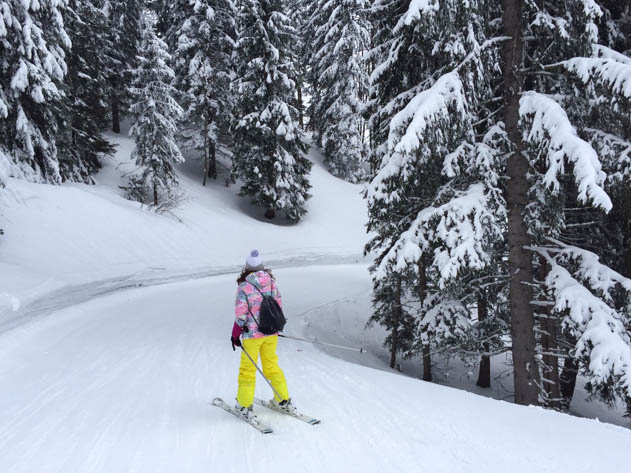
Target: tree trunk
(300,109)
(427,363)
(398,312)
(212,168)
(116,126)
(155,193)
(422,293)
(206,157)
(484,375)
(550,347)
(270,213)
(526,379)
(568,381)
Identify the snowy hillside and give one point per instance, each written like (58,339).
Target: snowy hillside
(68,242)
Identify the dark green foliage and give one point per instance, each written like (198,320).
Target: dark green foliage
(269,154)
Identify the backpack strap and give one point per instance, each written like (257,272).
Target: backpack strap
(248,301)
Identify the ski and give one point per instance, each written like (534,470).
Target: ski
(295,415)
(264,429)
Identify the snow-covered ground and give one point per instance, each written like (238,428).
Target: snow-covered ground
(122,384)
(102,375)
(68,243)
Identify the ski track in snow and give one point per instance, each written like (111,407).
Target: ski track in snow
(122,383)
(71,295)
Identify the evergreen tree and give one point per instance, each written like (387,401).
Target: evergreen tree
(155,113)
(32,66)
(269,151)
(437,181)
(439,141)
(300,11)
(205,41)
(566,195)
(390,310)
(306,12)
(123,30)
(590,239)
(340,78)
(85,90)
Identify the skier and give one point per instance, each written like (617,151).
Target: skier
(255,278)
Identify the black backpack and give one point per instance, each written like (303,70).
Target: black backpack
(271,317)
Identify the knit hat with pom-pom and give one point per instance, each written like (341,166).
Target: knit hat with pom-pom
(253,261)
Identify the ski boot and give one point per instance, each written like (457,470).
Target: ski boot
(246,412)
(285,405)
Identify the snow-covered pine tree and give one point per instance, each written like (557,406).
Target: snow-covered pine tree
(587,257)
(32,66)
(387,81)
(563,193)
(300,11)
(85,104)
(155,115)
(123,30)
(308,21)
(437,182)
(203,66)
(339,78)
(391,302)
(269,154)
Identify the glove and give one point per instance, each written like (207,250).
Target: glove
(236,333)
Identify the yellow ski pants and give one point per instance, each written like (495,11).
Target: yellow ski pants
(247,371)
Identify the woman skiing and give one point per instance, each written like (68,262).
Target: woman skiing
(254,282)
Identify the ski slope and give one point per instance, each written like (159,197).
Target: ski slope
(122,383)
(101,374)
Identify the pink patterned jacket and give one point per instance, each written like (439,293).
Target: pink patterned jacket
(249,300)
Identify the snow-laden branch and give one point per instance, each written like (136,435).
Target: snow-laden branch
(606,71)
(608,53)
(393,56)
(599,277)
(600,333)
(462,226)
(614,152)
(445,99)
(444,319)
(416,10)
(422,110)
(550,124)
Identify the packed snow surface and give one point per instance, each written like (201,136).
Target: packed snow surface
(123,384)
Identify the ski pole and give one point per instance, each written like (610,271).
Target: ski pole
(360,349)
(259,370)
